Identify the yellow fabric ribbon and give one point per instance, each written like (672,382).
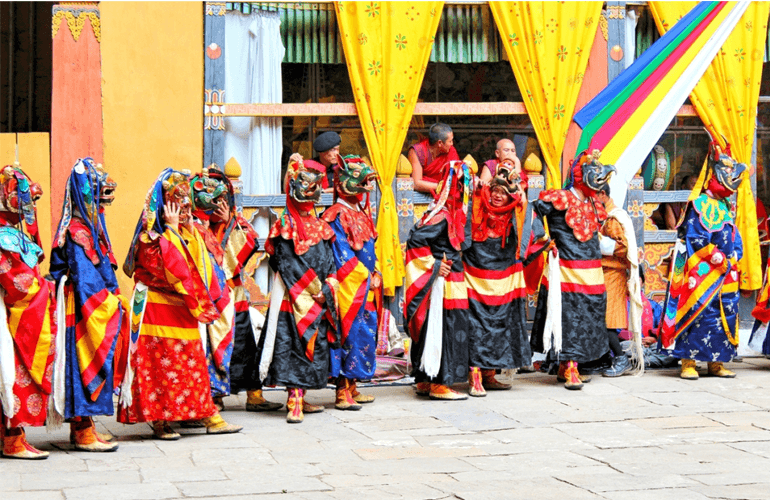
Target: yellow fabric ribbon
(387,46)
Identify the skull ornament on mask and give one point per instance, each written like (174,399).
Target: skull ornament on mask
(176,189)
(206,191)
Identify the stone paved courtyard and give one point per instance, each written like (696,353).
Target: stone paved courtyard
(656,437)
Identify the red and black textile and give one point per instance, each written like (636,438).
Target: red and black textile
(305,329)
(583,296)
(496,288)
(426,246)
(433,168)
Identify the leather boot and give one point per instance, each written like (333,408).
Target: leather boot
(620,366)
(444,393)
(219,402)
(307,407)
(422,388)
(87,439)
(256,402)
(571,376)
(491,383)
(294,405)
(475,388)
(717,369)
(107,438)
(215,424)
(344,400)
(688,370)
(357,396)
(15,445)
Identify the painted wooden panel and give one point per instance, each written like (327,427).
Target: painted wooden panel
(214,86)
(76,107)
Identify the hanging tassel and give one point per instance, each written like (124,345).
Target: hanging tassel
(276,297)
(7,362)
(553,317)
(55,418)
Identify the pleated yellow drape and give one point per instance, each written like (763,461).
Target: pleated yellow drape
(726,100)
(548,44)
(387,46)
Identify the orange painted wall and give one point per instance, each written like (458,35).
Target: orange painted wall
(76,107)
(152,86)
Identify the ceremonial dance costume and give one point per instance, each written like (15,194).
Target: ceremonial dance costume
(439,327)
(495,280)
(620,265)
(355,261)
(176,290)
(232,241)
(701,310)
(571,306)
(301,321)
(27,325)
(95,326)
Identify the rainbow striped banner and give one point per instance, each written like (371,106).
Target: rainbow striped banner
(626,119)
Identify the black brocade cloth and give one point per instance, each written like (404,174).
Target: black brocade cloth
(496,305)
(584,299)
(290,366)
(425,248)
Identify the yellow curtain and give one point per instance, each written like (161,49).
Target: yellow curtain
(548,44)
(726,100)
(387,45)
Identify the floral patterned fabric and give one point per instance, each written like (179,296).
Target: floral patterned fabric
(548,44)
(387,46)
(583,217)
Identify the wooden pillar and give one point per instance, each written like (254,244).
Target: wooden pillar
(616,42)
(214,84)
(76,105)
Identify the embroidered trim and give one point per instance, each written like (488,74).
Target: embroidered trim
(580,216)
(76,20)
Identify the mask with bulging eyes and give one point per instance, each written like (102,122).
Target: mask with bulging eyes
(508,176)
(728,172)
(305,185)
(353,176)
(19,194)
(595,175)
(176,189)
(206,191)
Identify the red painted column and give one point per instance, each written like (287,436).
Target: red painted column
(76,107)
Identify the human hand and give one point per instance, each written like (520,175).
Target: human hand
(445,268)
(320,298)
(296,157)
(223,211)
(171,215)
(649,341)
(376,281)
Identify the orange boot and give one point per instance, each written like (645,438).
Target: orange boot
(571,376)
(475,388)
(422,388)
(345,400)
(490,382)
(294,405)
(15,445)
(85,438)
(357,396)
(444,393)
(560,377)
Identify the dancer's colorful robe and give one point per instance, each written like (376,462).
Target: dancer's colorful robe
(239,241)
(305,328)
(573,226)
(355,260)
(171,381)
(96,320)
(701,312)
(31,308)
(219,334)
(496,299)
(425,248)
